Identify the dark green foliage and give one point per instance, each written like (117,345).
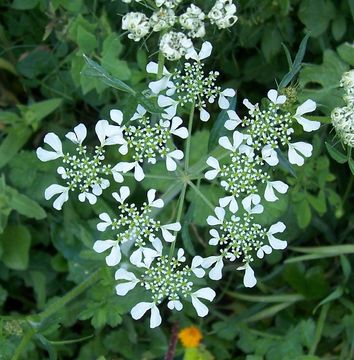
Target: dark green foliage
(65,61)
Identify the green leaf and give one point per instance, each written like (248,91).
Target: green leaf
(95,70)
(335,154)
(24,4)
(346,52)
(14,141)
(296,65)
(6,65)
(303,213)
(218,128)
(334,295)
(316,15)
(16,242)
(86,40)
(25,206)
(285,164)
(34,113)
(321,82)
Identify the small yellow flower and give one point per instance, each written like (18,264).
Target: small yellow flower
(190,337)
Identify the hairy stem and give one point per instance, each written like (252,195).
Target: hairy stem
(173,342)
(190,127)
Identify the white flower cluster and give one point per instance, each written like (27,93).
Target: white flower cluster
(190,86)
(250,155)
(145,141)
(163,277)
(81,171)
(343,117)
(174,43)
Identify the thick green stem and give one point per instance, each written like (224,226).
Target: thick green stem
(72,294)
(190,127)
(179,215)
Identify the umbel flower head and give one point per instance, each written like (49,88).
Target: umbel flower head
(179,27)
(145,141)
(80,171)
(190,86)
(251,152)
(343,117)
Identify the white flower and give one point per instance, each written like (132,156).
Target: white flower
(108,134)
(141,308)
(175,304)
(56,189)
(249,201)
(217,261)
(229,201)
(275,243)
(275,98)
(250,106)
(219,219)
(213,163)
(215,237)
(116,116)
(295,149)
(174,45)
(78,135)
(237,140)
(204,52)
(157,86)
(306,107)
(92,199)
(137,25)
(171,164)
(233,120)
(166,231)
(269,155)
(124,192)
(124,167)
(249,280)
(265,249)
(116,172)
(139,113)
(279,186)
(204,293)
(193,20)
(223,102)
(123,288)
(197,262)
(106,221)
(54,142)
(176,128)
(162,19)
(169,105)
(151,199)
(115,255)
(98,188)
(223,13)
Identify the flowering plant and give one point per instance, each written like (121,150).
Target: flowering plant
(141,248)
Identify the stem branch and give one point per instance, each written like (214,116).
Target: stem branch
(190,127)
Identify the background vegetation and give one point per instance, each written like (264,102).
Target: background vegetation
(302,307)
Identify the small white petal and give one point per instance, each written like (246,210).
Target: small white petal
(102,245)
(116,116)
(114,257)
